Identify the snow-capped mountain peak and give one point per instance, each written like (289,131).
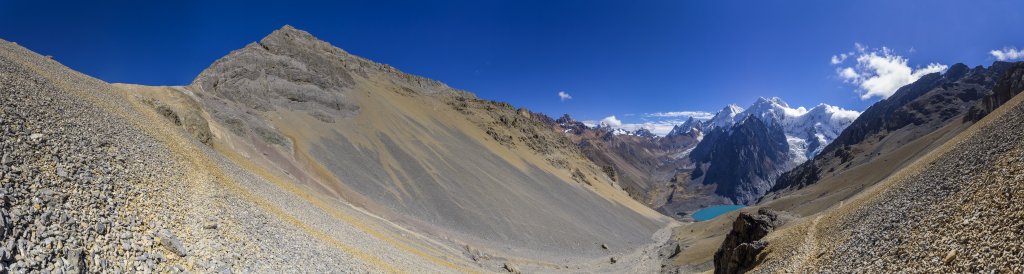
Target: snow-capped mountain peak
(641,132)
(687,127)
(819,126)
(807,131)
(724,118)
(773,110)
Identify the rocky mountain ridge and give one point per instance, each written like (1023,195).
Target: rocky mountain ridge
(913,111)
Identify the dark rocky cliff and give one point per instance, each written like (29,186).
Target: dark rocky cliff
(742,160)
(1008,86)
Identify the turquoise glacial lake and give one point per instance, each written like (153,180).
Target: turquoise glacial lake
(713,211)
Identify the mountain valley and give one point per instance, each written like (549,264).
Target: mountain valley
(290,154)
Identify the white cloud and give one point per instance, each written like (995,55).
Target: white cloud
(564,95)
(1007,54)
(839,113)
(839,59)
(695,114)
(860,48)
(848,74)
(610,121)
(880,72)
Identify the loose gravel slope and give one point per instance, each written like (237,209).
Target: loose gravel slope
(91,182)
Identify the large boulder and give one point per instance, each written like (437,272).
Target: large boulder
(740,249)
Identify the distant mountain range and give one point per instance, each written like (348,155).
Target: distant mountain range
(807,131)
(733,157)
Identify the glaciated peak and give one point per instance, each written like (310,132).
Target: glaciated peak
(771,101)
(724,118)
(773,110)
(732,109)
(807,131)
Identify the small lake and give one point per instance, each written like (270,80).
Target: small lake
(713,211)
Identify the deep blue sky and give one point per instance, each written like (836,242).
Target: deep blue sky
(613,57)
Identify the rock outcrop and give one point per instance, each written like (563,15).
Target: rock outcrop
(739,252)
(1011,83)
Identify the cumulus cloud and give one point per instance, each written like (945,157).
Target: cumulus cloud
(564,95)
(841,114)
(880,72)
(848,73)
(610,121)
(695,114)
(1007,54)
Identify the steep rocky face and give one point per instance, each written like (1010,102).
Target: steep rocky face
(913,111)
(288,68)
(690,127)
(1008,86)
(739,252)
(291,70)
(742,161)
